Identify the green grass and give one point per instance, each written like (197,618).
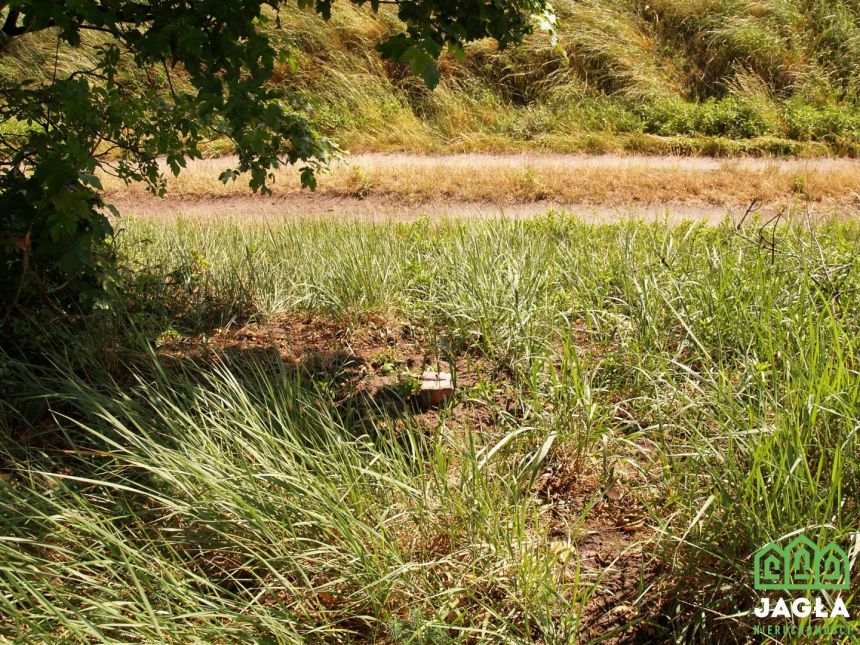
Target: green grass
(703,379)
(722,77)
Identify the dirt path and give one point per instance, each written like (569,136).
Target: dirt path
(382,209)
(379,187)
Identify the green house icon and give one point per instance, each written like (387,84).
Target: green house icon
(801,565)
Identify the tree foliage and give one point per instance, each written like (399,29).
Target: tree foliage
(55,134)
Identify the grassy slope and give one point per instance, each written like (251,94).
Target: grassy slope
(697,386)
(712,76)
(716,76)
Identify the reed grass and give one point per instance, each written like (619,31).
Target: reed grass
(702,378)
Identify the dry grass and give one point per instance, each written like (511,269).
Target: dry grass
(719,77)
(516,179)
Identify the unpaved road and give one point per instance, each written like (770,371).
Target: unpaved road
(380,187)
(382,209)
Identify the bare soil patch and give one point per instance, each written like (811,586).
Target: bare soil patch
(374,368)
(381,209)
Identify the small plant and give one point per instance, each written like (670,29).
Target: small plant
(359,181)
(408,385)
(168,337)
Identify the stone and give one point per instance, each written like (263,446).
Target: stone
(436,388)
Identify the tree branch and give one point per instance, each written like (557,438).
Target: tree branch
(10,26)
(135,13)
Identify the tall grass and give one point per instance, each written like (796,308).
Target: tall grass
(243,506)
(699,383)
(780,76)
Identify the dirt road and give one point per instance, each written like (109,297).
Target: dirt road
(379,187)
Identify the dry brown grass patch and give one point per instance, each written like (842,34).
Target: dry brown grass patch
(509,180)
